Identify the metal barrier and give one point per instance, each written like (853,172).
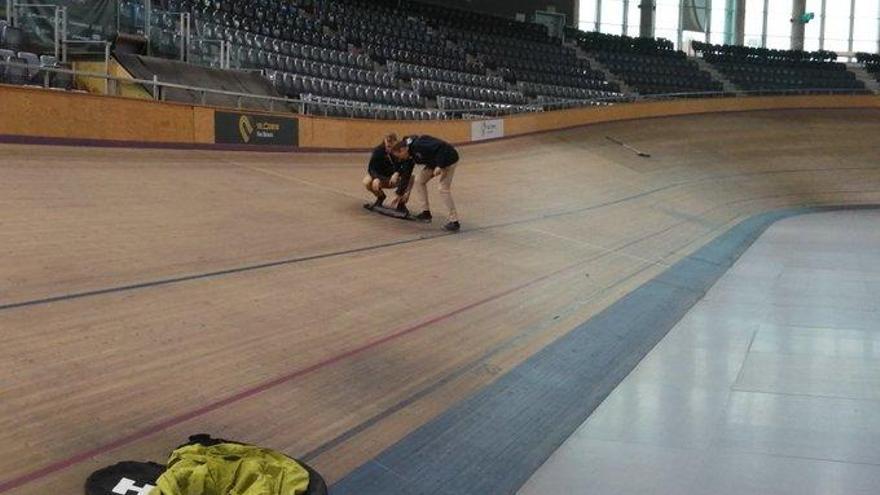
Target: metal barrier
(307,104)
(59,21)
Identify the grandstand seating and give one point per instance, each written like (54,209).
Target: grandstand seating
(647,65)
(778,70)
(412,60)
(23,67)
(351,52)
(871,62)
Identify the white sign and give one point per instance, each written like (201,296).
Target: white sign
(487,129)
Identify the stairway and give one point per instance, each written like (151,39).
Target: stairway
(728,86)
(609,76)
(862,75)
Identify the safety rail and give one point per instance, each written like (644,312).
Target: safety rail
(306,105)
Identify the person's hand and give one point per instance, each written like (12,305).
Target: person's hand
(395,179)
(438,172)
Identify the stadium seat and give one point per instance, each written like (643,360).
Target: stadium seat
(11,38)
(32,74)
(779,70)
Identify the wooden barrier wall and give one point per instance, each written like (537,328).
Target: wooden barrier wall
(40,113)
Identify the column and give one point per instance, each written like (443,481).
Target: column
(764,25)
(798,9)
(646,23)
(740,22)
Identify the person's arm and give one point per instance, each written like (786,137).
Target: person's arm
(404,171)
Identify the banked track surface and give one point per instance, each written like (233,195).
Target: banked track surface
(148,295)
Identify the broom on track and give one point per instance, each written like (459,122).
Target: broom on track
(640,153)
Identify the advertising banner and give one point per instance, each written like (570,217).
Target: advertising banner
(241,128)
(487,129)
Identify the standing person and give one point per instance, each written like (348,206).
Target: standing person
(439,159)
(384,172)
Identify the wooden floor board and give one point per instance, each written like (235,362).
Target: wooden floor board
(364,327)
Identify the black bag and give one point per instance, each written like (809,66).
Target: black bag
(125,478)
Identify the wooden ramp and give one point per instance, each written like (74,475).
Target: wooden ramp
(149,295)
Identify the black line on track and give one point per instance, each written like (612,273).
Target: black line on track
(219,273)
(374,247)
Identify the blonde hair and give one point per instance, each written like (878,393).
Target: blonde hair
(390,139)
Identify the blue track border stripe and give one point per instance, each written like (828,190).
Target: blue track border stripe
(492,442)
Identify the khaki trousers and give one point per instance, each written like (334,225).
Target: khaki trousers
(444,187)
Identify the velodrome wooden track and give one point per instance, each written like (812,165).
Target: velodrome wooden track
(146,295)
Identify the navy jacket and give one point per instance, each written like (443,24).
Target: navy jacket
(431,152)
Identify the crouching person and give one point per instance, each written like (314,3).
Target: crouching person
(382,172)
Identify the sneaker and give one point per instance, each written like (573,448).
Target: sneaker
(452,226)
(424,216)
(401,208)
(379,200)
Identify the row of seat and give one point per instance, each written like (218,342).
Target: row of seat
(549,46)
(781,70)
(603,42)
(457,107)
(749,76)
(375,19)
(382,54)
(658,59)
(309,35)
(409,71)
(583,81)
(432,89)
(293,29)
(359,29)
(579,69)
(294,85)
(338,107)
(537,59)
(752,82)
(369,13)
(501,55)
(26,68)
(250,8)
(473,22)
(553,103)
(772,55)
(435,47)
(648,66)
(297,50)
(871,63)
(684,72)
(262,60)
(652,84)
(564,92)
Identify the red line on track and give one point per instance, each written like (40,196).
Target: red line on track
(75,459)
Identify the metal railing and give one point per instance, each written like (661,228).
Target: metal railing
(59,20)
(158,90)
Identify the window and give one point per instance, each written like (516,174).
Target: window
(754,22)
(865,28)
(813,28)
(666,20)
(587,15)
(837,26)
(634,18)
(722,17)
(612,17)
(779,25)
